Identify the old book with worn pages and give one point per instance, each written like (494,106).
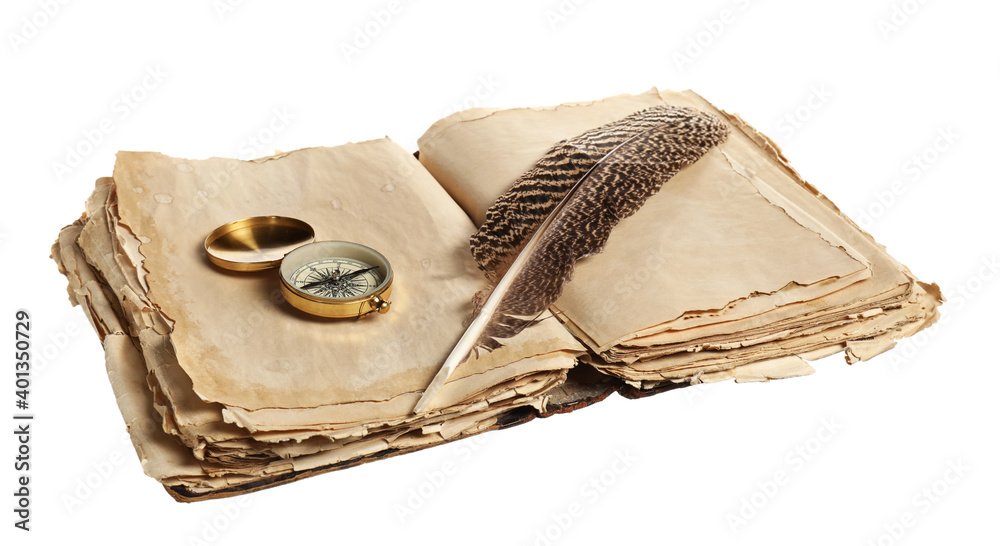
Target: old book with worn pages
(735,269)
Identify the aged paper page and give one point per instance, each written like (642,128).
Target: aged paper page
(242,348)
(706,206)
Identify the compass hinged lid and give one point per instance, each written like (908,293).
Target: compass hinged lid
(257,243)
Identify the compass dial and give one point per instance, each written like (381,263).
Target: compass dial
(336,278)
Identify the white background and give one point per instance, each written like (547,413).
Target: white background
(868,86)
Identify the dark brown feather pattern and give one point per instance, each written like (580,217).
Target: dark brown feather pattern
(516,214)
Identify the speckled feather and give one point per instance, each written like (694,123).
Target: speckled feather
(564,209)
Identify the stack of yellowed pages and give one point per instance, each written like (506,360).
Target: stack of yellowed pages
(736,269)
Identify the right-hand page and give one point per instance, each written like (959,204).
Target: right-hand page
(736,268)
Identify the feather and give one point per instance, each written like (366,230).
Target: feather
(639,156)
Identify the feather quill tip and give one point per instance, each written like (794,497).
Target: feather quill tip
(450,364)
(428,396)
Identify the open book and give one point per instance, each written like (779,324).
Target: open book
(736,269)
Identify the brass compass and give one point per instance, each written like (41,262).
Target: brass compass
(336,279)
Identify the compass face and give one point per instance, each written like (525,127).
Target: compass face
(336,278)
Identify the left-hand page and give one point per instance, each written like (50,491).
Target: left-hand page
(239,346)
